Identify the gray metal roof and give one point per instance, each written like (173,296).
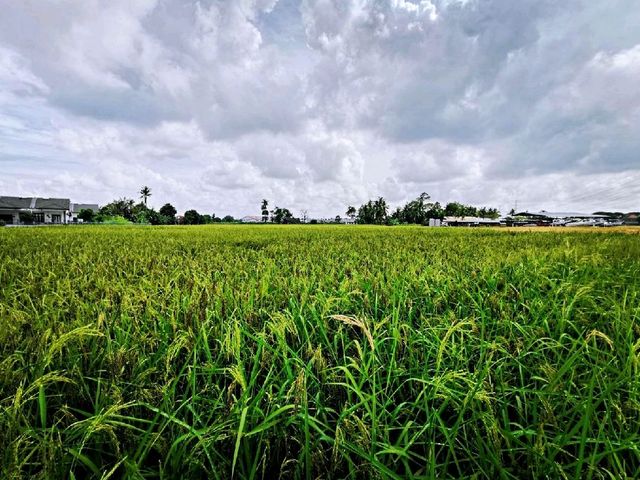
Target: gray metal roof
(53,203)
(546,214)
(78,207)
(14,203)
(34,203)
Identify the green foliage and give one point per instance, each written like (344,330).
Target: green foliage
(418,211)
(114,220)
(192,217)
(86,215)
(169,212)
(145,193)
(351,211)
(283,215)
(318,352)
(373,212)
(123,207)
(228,219)
(455,209)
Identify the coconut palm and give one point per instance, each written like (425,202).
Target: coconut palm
(145,193)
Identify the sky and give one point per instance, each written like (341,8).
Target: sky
(320,104)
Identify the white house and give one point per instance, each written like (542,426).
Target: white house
(20,210)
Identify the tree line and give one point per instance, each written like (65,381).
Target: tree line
(418,211)
(374,212)
(377,212)
(126,210)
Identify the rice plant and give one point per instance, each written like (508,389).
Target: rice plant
(256,352)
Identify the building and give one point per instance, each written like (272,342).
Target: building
(34,210)
(76,208)
(631,218)
(557,219)
(470,222)
(251,219)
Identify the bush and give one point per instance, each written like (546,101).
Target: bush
(2,223)
(115,220)
(86,215)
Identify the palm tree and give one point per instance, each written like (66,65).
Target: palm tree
(145,193)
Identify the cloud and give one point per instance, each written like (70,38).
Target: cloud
(317,104)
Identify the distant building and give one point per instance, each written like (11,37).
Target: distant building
(21,210)
(251,219)
(632,218)
(558,219)
(470,222)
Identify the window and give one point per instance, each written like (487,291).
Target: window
(38,218)
(56,218)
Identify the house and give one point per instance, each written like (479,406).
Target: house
(30,210)
(632,218)
(558,219)
(76,208)
(251,219)
(470,222)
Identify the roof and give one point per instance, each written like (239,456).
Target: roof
(545,214)
(251,219)
(470,220)
(78,207)
(53,203)
(15,202)
(22,203)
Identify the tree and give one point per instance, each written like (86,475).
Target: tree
(373,212)
(122,207)
(416,211)
(304,215)
(192,217)
(153,217)
(486,212)
(86,215)
(283,215)
(381,210)
(338,219)
(436,211)
(169,211)
(265,210)
(145,192)
(228,219)
(351,212)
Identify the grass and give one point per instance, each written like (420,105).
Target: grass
(318,352)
